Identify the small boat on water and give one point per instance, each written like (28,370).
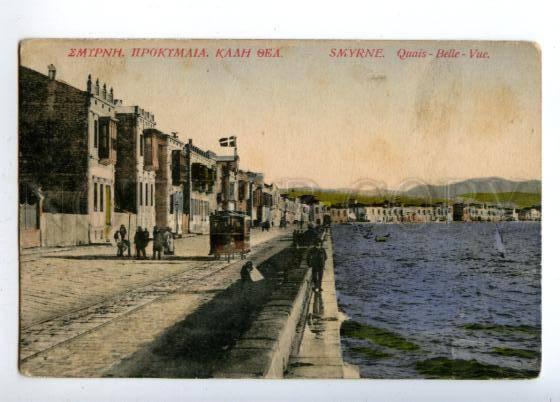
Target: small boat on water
(382,238)
(500,243)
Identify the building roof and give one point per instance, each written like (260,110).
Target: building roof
(226,158)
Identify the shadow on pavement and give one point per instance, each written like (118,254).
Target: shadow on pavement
(196,346)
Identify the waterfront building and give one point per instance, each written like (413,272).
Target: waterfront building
(530,213)
(443,212)
(339,213)
(167,151)
(291,209)
(227,193)
(458,211)
(511,214)
(250,185)
(135,171)
(315,210)
(375,213)
(200,188)
(271,204)
(358,210)
(67,153)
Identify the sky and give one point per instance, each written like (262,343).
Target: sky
(309,119)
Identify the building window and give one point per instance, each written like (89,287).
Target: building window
(171,204)
(141,145)
(101,197)
(95,196)
(95,133)
(140,187)
(146,195)
(152,195)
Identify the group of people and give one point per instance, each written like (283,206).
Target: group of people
(309,237)
(312,238)
(162,242)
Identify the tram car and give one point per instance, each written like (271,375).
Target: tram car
(230,234)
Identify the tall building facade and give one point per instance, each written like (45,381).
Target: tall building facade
(67,152)
(201,187)
(166,151)
(134,177)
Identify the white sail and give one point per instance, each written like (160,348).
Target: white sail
(499,242)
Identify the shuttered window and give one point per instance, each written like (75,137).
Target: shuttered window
(95,196)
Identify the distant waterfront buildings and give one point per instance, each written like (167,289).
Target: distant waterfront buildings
(438,212)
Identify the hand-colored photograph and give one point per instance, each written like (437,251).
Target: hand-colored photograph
(299,209)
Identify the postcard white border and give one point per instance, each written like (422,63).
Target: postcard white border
(475,19)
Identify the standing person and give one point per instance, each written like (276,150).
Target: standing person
(157,245)
(168,241)
(246,272)
(138,241)
(145,240)
(309,236)
(316,259)
(126,242)
(120,250)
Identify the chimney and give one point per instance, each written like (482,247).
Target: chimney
(52,71)
(97,87)
(89,83)
(111,95)
(174,133)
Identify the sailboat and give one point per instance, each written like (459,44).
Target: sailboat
(500,243)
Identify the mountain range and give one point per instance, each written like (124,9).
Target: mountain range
(473,186)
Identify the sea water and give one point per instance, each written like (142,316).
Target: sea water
(432,284)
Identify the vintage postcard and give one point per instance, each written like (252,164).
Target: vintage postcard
(280,209)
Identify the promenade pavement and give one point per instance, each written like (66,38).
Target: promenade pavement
(84,310)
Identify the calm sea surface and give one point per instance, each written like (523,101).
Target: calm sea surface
(430,280)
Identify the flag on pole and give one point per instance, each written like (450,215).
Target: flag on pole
(228,141)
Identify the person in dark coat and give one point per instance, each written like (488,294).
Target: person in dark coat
(138,241)
(310,236)
(145,240)
(316,259)
(246,272)
(157,245)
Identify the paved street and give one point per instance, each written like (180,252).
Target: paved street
(83,309)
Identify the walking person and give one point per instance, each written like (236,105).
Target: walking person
(157,245)
(316,259)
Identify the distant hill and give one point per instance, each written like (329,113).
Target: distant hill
(490,185)
(491,190)
(514,199)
